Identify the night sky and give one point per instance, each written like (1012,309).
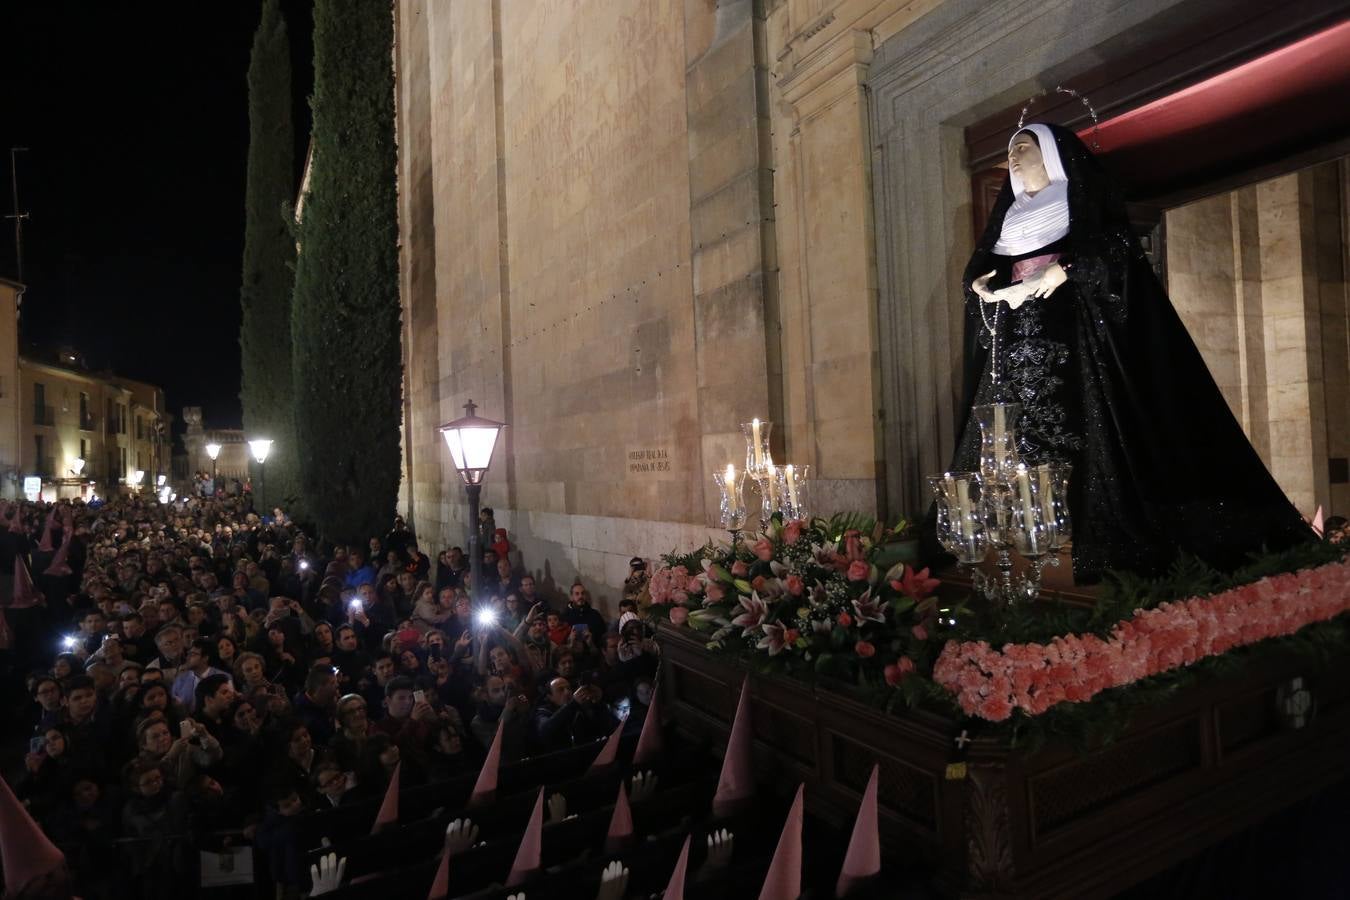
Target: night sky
(136,120)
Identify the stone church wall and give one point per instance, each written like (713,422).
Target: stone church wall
(630,225)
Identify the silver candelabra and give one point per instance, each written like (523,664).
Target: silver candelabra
(1006,507)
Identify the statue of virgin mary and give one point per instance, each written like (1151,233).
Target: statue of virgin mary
(1065,316)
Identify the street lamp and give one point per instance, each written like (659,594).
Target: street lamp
(213,450)
(137,476)
(77,466)
(260,447)
(471,440)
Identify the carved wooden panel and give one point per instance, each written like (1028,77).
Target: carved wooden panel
(906,791)
(789,734)
(1085,787)
(1247,720)
(703,693)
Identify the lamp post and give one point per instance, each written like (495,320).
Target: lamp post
(260,448)
(471,440)
(213,451)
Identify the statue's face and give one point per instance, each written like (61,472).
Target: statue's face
(1025,161)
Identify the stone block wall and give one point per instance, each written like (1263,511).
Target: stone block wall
(586,205)
(1258,276)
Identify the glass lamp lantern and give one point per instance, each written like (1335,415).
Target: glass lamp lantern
(260,448)
(770,492)
(731,505)
(961,526)
(794,492)
(1053,481)
(999,458)
(1033,531)
(471,440)
(758,460)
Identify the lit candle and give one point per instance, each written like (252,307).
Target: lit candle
(963,505)
(1028,517)
(731,477)
(999,426)
(759,452)
(771,475)
(1047,501)
(792,488)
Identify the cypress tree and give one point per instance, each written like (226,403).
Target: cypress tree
(269,257)
(347,358)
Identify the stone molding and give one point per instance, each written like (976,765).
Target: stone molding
(827,74)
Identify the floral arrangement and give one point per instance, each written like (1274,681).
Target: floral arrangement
(829,596)
(835,598)
(1033,677)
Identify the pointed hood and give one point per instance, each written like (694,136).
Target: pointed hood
(1318,523)
(608,753)
(736,784)
(620,823)
(45,545)
(485,788)
(649,745)
(60,565)
(24,849)
(863,859)
(527,857)
(675,887)
(784,880)
(388,814)
(440,885)
(24,594)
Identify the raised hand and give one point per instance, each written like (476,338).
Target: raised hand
(720,847)
(327,875)
(460,835)
(613,882)
(557,808)
(643,786)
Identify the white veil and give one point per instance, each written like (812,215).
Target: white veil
(1035,222)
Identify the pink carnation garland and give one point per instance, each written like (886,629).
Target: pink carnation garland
(1033,677)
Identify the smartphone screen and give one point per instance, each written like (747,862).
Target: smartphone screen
(37,745)
(582,630)
(419,696)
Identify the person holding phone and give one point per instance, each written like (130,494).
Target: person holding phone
(580,612)
(47,771)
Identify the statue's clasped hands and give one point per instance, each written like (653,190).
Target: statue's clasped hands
(1040,284)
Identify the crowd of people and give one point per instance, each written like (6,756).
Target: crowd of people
(193,674)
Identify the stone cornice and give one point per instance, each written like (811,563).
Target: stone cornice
(848,54)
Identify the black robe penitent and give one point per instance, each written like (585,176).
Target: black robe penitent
(1111,382)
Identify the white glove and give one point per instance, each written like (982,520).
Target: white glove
(613,882)
(460,835)
(643,786)
(557,808)
(327,875)
(720,847)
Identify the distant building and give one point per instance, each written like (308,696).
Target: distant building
(231,462)
(10,293)
(84,433)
